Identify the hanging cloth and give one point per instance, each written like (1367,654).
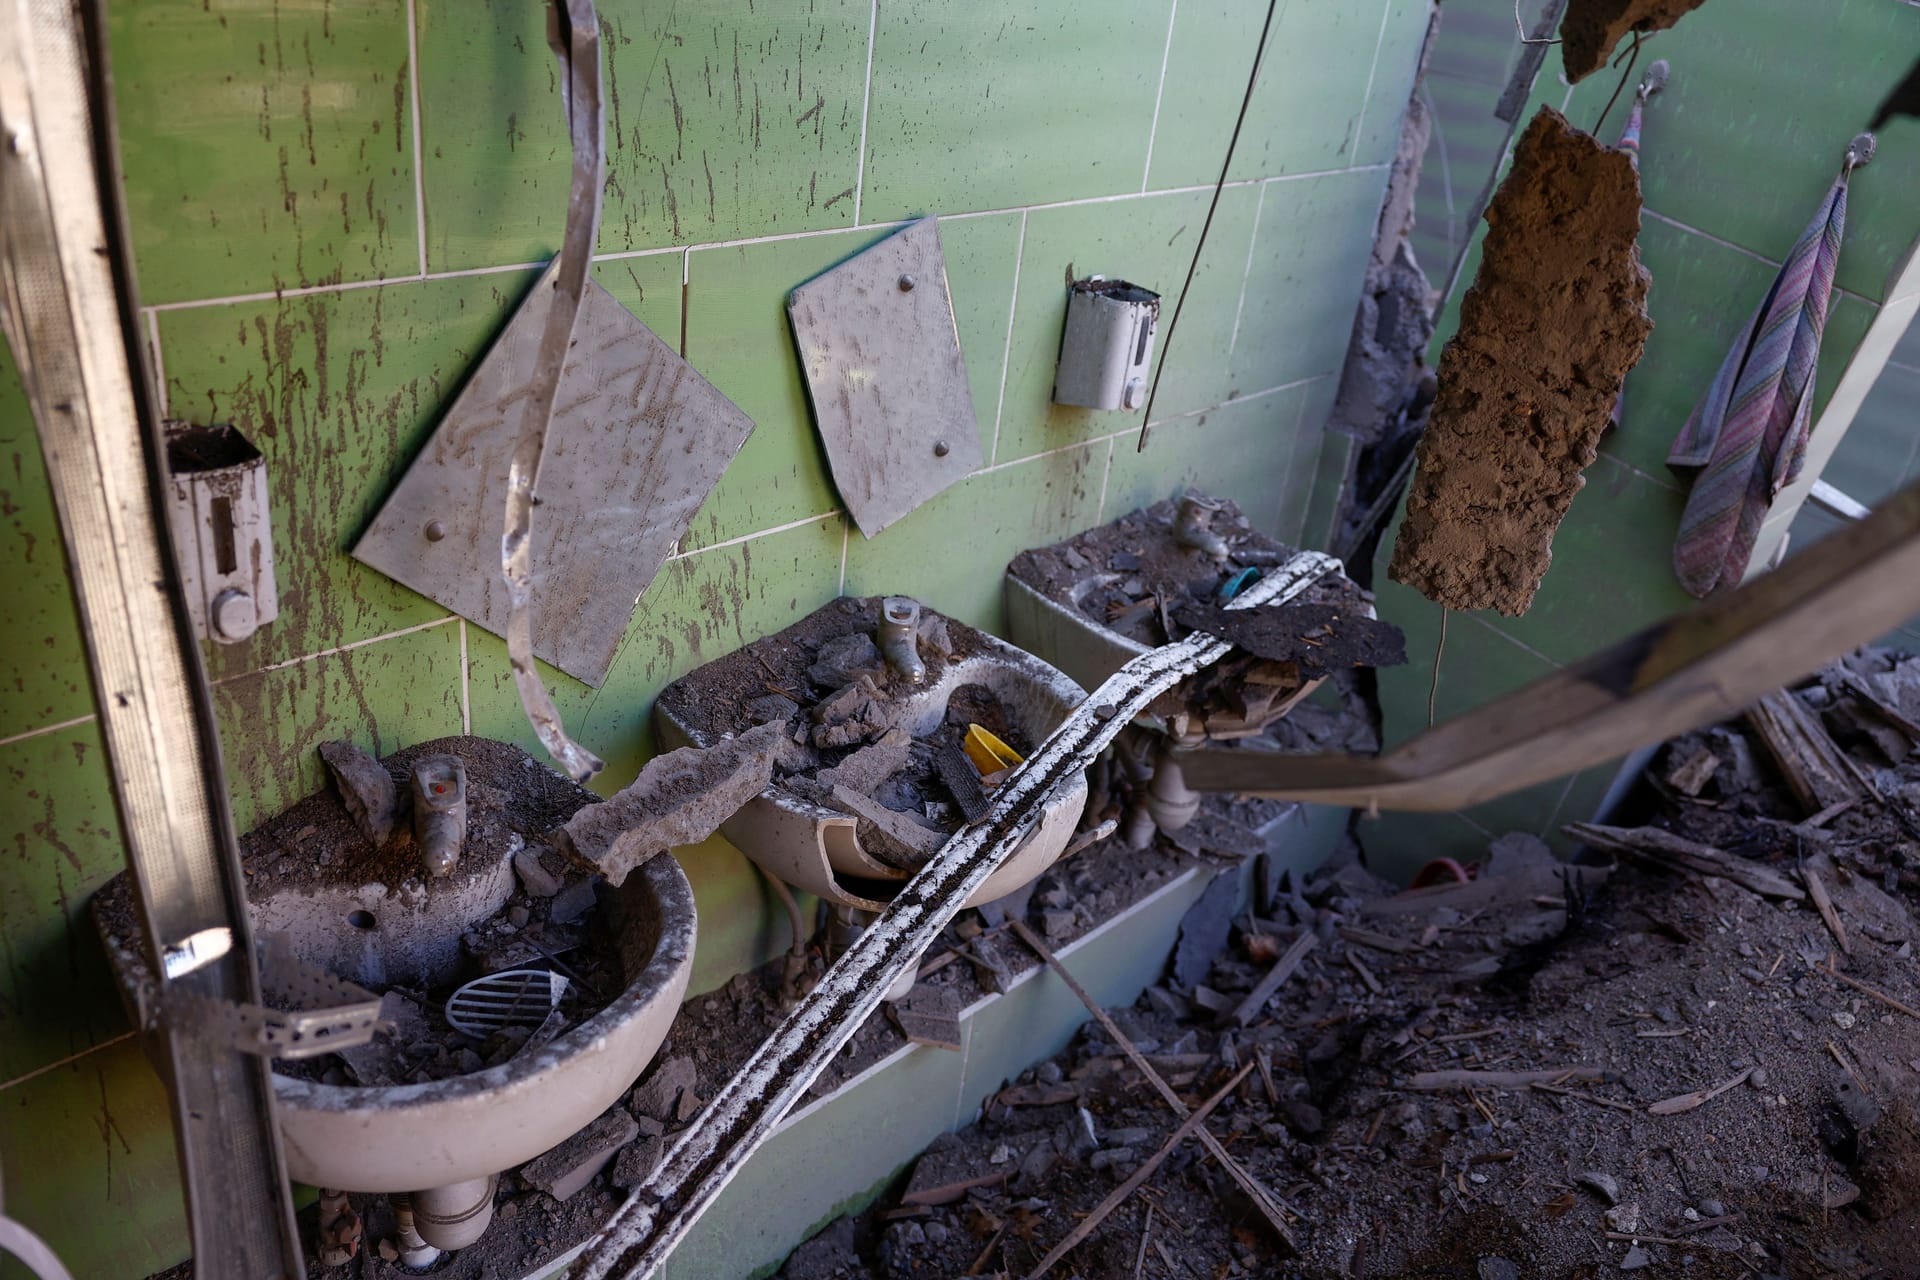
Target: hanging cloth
(1653,82)
(1748,438)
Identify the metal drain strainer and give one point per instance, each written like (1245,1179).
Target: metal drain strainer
(510,998)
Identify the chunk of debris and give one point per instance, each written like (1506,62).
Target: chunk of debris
(535,876)
(895,836)
(930,1015)
(1593,27)
(570,1166)
(849,715)
(680,798)
(776,707)
(871,765)
(1553,322)
(948,1170)
(366,789)
(659,1094)
(844,659)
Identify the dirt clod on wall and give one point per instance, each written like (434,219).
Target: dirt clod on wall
(1593,27)
(1553,322)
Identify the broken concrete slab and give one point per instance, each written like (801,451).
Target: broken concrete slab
(680,798)
(1554,321)
(1204,929)
(930,1015)
(871,765)
(366,789)
(1592,28)
(844,659)
(893,835)
(563,1171)
(659,1094)
(536,877)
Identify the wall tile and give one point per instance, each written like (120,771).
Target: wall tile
(1330,468)
(721,124)
(995,104)
(1148,241)
(1403,33)
(980,254)
(88,1151)
(995,515)
(1304,283)
(1750,131)
(43,677)
(382,696)
(60,839)
(1306,108)
(699,608)
(1243,451)
(339,391)
(1477,665)
(1612,571)
(739,337)
(265,147)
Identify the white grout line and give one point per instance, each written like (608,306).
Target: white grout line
(1514,641)
(1253,240)
(1660,481)
(46,729)
(274,295)
(1006,353)
(159,364)
(419,173)
(1100,511)
(1910,368)
(329,653)
(466,684)
(1159,93)
(866,102)
(70,1058)
(788,527)
(846,542)
(1379,39)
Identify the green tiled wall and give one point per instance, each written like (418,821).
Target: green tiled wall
(1735,156)
(335,209)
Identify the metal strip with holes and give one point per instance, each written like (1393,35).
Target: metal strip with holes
(69,314)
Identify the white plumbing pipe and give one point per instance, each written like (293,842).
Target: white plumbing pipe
(454,1216)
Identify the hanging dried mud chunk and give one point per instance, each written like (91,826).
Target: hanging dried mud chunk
(1553,322)
(1593,27)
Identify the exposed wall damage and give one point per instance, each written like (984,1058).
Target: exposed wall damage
(1593,27)
(1552,324)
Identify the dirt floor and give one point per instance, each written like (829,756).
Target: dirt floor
(1472,1080)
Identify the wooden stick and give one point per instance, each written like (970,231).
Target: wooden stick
(1862,987)
(1269,1204)
(1699,1097)
(1583,1096)
(1366,975)
(1433,1081)
(1146,1170)
(1664,849)
(1146,1234)
(1377,941)
(1282,970)
(1817,890)
(981,1261)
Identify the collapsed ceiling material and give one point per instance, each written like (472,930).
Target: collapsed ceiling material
(1550,328)
(638,441)
(881,353)
(1593,27)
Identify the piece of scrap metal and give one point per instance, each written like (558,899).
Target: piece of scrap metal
(634,443)
(705,1157)
(69,314)
(881,353)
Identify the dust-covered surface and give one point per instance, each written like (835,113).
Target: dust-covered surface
(836,698)
(1149,586)
(1591,28)
(1637,991)
(1554,321)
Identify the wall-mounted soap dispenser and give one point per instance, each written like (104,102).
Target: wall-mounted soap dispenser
(217,498)
(1107,346)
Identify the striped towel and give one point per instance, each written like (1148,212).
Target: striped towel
(1748,438)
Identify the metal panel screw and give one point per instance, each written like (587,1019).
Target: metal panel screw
(940,449)
(906,284)
(435,531)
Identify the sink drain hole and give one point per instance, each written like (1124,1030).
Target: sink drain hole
(360,919)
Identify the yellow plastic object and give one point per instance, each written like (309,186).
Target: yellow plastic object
(988,753)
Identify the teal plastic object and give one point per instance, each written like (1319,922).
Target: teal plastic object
(1239,582)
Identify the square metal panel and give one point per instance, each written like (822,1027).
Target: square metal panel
(637,442)
(881,354)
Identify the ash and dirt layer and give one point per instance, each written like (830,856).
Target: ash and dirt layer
(1591,28)
(1554,321)
(825,682)
(1657,986)
(1149,587)
(516,807)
